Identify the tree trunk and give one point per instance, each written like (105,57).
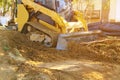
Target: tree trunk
(105,11)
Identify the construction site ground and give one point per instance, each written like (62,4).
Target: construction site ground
(21,59)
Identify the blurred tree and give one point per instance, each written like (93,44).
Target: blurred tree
(0,3)
(5,5)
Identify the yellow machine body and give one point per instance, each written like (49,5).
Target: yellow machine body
(60,23)
(59,32)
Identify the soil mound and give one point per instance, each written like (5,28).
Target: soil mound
(19,57)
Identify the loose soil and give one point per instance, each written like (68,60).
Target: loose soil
(21,59)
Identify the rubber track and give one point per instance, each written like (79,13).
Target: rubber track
(47,31)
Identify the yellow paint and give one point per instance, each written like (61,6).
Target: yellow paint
(48,12)
(60,22)
(49,26)
(79,17)
(22,16)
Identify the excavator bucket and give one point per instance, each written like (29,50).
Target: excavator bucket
(64,39)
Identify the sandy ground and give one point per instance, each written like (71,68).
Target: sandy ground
(21,59)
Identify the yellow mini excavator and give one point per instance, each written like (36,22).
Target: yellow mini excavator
(52,22)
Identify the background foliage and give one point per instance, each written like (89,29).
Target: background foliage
(5,6)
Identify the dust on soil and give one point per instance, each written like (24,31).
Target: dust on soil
(22,59)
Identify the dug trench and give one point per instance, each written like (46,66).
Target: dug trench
(21,59)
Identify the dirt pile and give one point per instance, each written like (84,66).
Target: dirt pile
(36,73)
(103,50)
(19,57)
(106,50)
(16,53)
